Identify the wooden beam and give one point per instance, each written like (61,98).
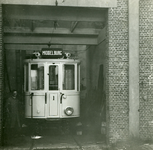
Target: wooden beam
(74,25)
(32,26)
(38,40)
(39,47)
(102,36)
(53,13)
(43,30)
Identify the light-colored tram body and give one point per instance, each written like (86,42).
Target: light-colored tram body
(52,88)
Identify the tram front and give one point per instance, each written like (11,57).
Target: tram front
(52,88)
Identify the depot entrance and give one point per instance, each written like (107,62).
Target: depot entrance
(80,32)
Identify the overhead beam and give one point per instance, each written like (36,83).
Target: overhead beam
(42,30)
(39,47)
(24,47)
(74,3)
(102,36)
(38,40)
(74,25)
(53,13)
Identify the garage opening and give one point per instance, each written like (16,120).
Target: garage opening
(81,34)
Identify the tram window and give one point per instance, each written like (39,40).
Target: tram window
(69,79)
(53,77)
(78,77)
(27,76)
(37,77)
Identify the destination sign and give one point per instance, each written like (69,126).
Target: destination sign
(51,52)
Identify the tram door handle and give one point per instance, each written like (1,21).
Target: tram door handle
(31,98)
(31,104)
(45,98)
(61,97)
(31,95)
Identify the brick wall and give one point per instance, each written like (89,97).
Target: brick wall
(1,75)
(117,72)
(146,69)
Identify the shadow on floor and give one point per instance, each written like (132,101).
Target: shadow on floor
(55,138)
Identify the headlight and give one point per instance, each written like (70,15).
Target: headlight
(69,111)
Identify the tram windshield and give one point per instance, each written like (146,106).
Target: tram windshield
(53,77)
(69,78)
(37,81)
(37,77)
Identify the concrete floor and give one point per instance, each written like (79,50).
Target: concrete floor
(55,138)
(60,136)
(54,142)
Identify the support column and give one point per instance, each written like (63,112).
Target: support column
(134,68)
(1,76)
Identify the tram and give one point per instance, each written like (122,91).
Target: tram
(52,86)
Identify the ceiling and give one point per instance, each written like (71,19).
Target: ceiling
(31,27)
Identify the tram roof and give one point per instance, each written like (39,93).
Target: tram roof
(52,60)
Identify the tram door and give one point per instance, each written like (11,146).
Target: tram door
(70,100)
(35,96)
(53,91)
